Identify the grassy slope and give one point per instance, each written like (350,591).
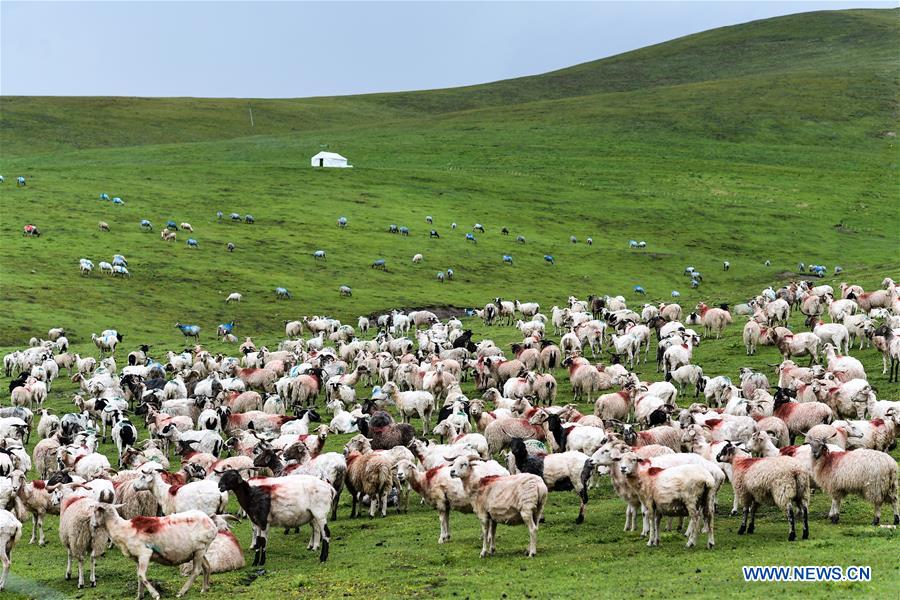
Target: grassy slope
(706,157)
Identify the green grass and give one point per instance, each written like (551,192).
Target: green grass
(767,140)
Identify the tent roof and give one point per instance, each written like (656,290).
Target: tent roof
(329,155)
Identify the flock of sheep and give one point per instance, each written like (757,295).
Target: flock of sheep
(251,425)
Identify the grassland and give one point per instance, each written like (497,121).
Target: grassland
(764,141)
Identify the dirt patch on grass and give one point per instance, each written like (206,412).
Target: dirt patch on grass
(443,311)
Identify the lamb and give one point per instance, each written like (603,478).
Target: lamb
(868,473)
(560,471)
(343,420)
(511,499)
(687,375)
(10,532)
(171,540)
(713,319)
(198,495)
(368,473)
(474,441)
(779,480)
(284,502)
(676,490)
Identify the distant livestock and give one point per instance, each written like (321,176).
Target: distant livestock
(417,258)
(507,259)
(20,181)
(187,227)
(433,234)
(171,225)
(229,246)
(549,259)
(192,243)
(249,219)
(380,264)
(429,220)
(449,273)
(726,265)
(345,290)
(520,239)
(103,226)
(235,217)
(86,266)
(471,238)
(121,271)
(319,254)
(31,231)
(440,276)
(191,331)
(342,222)
(146,225)
(640,290)
(117,200)
(590,241)
(283,294)
(573,239)
(104,197)
(404,231)
(478,227)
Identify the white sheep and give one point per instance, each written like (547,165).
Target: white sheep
(198,495)
(411,403)
(233,297)
(170,540)
(867,473)
(511,499)
(10,532)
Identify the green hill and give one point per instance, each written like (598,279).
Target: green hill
(858,46)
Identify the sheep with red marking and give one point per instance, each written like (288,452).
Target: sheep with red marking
(795,344)
(617,405)
(510,499)
(75,532)
(368,473)
(870,300)
(259,379)
(800,417)
(500,432)
(662,435)
(849,399)
(779,480)
(877,434)
(171,540)
(474,441)
(867,473)
(386,433)
(680,490)
(35,497)
(224,553)
(586,380)
(713,319)
(844,367)
(201,495)
(602,457)
(442,492)
(287,502)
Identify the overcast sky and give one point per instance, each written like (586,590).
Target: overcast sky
(296,49)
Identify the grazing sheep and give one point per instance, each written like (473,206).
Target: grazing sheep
(779,480)
(511,499)
(867,473)
(417,258)
(233,297)
(345,290)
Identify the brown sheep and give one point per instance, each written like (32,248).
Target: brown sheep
(368,473)
(386,433)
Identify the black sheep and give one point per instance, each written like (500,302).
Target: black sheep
(525,462)
(387,434)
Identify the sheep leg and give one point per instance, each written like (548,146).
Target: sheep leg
(877,518)
(384,503)
(743,528)
(5,560)
(444,517)
(493,530)
(196,568)
(485,535)
(753,506)
(629,515)
(645,521)
(143,564)
(68,565)
(790,515)
(835,513)
(81,573)
(734,505)
(655,522)
(206,571)
(693,528)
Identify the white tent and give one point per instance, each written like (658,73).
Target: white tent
(329,159)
